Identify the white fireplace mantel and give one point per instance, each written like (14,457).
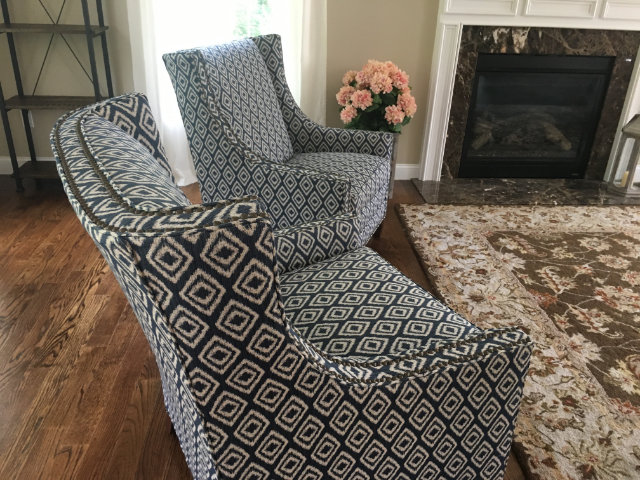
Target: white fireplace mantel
(454,14)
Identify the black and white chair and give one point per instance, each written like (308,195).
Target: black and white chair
(247,135)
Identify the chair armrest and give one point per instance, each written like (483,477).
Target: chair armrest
(416,363)
(295,196)
(312,242)
(179,219)
(310,136)
(307,135)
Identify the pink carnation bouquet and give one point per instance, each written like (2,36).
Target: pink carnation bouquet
(378,97)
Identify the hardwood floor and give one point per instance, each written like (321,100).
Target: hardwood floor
(80,393)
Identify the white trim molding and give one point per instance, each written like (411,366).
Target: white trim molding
(621,10)
(407,171)
(454,14)
(482,7)
(565,9)
(443,71)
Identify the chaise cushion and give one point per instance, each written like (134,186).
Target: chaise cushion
(358,307)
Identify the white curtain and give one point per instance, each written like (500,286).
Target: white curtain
(161,26)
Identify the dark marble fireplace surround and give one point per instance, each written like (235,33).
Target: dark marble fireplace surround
(623,45)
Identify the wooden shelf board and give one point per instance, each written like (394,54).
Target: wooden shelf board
(48,102)
(39,170)
(49,28)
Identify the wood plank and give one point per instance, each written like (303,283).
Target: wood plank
(52,378)
(99,454)
(157,454)
(42,169)
(130,444)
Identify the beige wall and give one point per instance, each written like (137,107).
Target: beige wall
(402,31)
(61,74)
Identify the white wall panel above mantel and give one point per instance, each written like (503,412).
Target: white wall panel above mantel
(453,14)
(602,14)
(566,8)
(621,10)
(482,7)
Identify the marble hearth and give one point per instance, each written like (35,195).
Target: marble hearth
(622,46)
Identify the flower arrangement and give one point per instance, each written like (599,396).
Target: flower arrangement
(378,97)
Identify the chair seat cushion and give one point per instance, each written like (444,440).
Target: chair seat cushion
(357,306)
(368,175)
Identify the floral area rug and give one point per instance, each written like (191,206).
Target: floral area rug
(570,278)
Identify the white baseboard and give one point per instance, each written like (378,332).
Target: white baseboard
(407,171)
(5,163)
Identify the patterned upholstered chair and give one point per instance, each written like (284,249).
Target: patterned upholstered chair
(248,136)
(340,369)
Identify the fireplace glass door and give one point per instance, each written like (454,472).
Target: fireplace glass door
(533,116)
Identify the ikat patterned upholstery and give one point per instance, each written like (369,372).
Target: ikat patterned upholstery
(339,369)
(132,114)
(151,188)
(248,136)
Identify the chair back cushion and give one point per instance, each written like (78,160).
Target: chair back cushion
(239,86)
(132,114)
(129,168)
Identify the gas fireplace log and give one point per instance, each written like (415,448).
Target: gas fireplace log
(555,136)
(526,130)
(482,139)
(482,131)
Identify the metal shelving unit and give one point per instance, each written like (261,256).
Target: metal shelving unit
(24,103)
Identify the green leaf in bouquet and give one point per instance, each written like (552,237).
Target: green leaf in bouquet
(388,99)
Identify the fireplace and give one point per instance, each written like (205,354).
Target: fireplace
(478,48)
(533,116)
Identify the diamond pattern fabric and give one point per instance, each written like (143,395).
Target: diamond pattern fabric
(238,82)
(368,178)
(306,135)
(244,127)
(135,117)
(251,384)
(227,168)
(358,307)
(299,246)
(151,188)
